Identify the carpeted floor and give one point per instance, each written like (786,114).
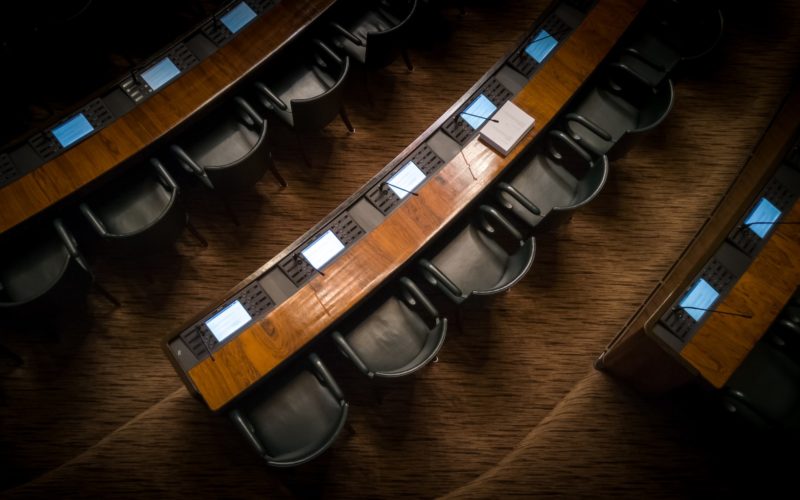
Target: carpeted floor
(98,410)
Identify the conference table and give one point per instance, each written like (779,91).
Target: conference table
(147,123)
(277,330)
(755,275)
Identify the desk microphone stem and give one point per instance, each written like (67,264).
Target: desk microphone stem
(399,189)
(716,311)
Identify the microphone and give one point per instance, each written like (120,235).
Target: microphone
(479,116)
(385,185)
(774,223)
(717,311)
(208,350)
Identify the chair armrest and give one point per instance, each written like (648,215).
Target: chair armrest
(270,96)
(628,71)
(592,126)
(247,431)
(248,110)
(93,220)
(634,52)
(327,51)
(325,375)
(350,354)
(163,175)
(420,297)
(346,33)
(488,212)
(519,197)
(435,275)
(557,135)
(190,165)
(71,243)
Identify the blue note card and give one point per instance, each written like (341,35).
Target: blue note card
(72,130)
(701,296)
(479,110)
(762,218)
(541,46)
(238,17)
(160,73)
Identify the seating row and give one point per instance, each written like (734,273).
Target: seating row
(295,416)
(228,151)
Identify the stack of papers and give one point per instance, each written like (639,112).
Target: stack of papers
(511,126)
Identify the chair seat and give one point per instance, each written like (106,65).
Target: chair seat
(473,261)
(134,207)
(292,421)
(223,143)
(611,112)
(391,339)
(546,184)
(33,273)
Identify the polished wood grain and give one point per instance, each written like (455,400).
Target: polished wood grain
(637,356)
(157,116)
(724,341)
(414,224)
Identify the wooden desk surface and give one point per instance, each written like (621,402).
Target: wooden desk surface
(724,341)
(158,115)
(365,266)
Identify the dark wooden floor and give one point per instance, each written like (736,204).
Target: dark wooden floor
(98,410)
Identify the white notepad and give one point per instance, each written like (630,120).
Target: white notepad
(511,126)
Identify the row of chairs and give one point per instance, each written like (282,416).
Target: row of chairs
(296,416)
(228,151)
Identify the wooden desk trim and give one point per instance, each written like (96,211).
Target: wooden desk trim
(724,341)
(315,307)
(641,357)
(161,114)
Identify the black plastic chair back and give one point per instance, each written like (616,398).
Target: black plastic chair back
(316,112)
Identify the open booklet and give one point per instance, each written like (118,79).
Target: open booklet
(507,127)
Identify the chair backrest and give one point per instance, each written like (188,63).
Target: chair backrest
(42,276)
(316,112)
(766,389)
(246,171)
(140,216)
(381,46)
(295,417)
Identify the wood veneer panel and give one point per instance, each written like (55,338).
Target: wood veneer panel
(415,223)
(724,341)
(158,115)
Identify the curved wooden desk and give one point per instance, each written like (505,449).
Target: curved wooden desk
(642,353)
(156,117)
(362,268)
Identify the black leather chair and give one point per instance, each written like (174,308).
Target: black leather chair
(562,178)
(765,390)
(397,337)
(294,417)
(44,274)
(623,104)
(139,211)
(373,32)
(308,95)
(676,31)
(228,151)
(474,262)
